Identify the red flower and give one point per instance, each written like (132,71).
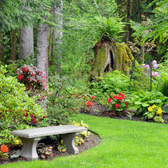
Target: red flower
(34,120)
(20,77)
(126,103)
(4,148)
(116,106)
(109,100)
(89,104)
(120,98)
(115,97)
(31,115)
(122,95)
(92,97)
(25,114)
(45,115)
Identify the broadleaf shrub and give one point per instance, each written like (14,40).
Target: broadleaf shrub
(17,109)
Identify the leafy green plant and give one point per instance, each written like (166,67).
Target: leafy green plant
(113,83)
(62,101)
(44,151)
(112,26)
(61,146)
(155,113)
(143,99)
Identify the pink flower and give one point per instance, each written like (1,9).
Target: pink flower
(155,66)
(109,100)
(154,62)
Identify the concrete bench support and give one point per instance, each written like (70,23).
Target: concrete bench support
(69,142)
(29,148)
(30,138)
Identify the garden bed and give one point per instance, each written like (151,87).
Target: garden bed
(93,140)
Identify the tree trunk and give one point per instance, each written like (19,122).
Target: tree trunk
(26,43)
(2,59)
(13,45)
(42,49)
(57,33)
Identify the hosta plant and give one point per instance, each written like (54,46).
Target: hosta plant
(155,113)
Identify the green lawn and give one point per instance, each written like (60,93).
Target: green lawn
(124,144)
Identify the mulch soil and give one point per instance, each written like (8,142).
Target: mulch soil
(92,140)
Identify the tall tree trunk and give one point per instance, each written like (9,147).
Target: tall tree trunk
(2,59)
(57,33)
(42,48)
(13,45)
(26,43)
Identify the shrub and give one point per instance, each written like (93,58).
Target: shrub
(63,101)
(17,109)
(31,77)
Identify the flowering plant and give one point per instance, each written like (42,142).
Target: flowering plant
(117,103)
(4,152)
(154,65)
(82,135)
(31,77)
(154,112)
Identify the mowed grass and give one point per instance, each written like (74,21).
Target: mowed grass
(125,144)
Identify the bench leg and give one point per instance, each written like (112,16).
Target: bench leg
(69,142)
(29,148)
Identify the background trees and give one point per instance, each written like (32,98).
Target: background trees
(71,28)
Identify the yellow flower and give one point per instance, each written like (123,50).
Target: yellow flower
(16,142)
(77,124)
(154,106)
(62,141)
(159,112)
(150,109)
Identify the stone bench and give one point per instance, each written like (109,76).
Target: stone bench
(30,138)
